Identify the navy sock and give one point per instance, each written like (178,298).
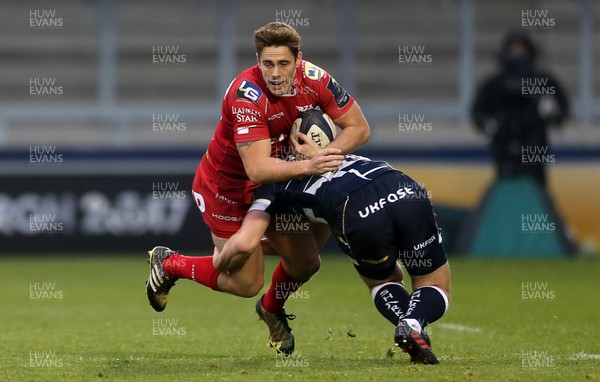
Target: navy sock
(391,300)
(427,304)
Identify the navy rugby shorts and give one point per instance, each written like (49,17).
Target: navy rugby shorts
(388,220)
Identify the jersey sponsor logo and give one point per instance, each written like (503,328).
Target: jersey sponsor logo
(243,118)
(250,91)
(304,108)
(225,199)
(227,218)
(275,116)
(425,243)
(340,95)
(244,114)
(379,205)
(312,71)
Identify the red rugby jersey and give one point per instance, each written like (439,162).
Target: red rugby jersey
(250,112)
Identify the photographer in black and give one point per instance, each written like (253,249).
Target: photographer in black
(515,106)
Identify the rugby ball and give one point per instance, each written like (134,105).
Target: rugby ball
(316,125)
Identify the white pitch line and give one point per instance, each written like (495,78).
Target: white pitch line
(583,355)
(459,327)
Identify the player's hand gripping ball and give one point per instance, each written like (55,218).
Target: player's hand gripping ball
(316,125)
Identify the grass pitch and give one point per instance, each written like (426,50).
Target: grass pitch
(87,319)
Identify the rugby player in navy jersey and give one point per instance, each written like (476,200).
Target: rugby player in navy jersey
(379,217)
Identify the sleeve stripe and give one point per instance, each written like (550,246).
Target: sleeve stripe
(260,205)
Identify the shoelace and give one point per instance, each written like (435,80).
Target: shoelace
(284,317)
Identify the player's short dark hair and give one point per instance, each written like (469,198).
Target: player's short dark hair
(277,34)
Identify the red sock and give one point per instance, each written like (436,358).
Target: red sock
(282,286)
(197,268)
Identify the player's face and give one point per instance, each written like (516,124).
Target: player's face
(278,68)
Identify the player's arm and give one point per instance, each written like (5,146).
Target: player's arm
(355,130)
(262,168)
(243,243)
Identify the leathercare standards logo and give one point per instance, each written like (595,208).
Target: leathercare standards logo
(293,360)
(540,19)
(291,223)
(44,87)
(167,190)
(168,55)
(167,327)
(44,290)
(167,123)
(413,122)
(535,359)
(288,290)
(44,155)
(413,55)
(537,87)
(537,223)
(415,259)
(292,17)
(44,19)
(44,358)
(536,155)
(536,291)
(45,224)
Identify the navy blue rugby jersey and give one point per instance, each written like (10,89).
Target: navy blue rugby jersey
(318,196)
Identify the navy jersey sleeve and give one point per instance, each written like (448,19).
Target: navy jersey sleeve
(264,198)
(279,197)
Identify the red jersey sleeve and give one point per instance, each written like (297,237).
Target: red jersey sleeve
(334,100)
(247,104)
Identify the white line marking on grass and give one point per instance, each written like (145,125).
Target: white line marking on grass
(459,327)
(583,355)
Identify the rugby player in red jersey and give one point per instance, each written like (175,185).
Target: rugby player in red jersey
(259,107)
